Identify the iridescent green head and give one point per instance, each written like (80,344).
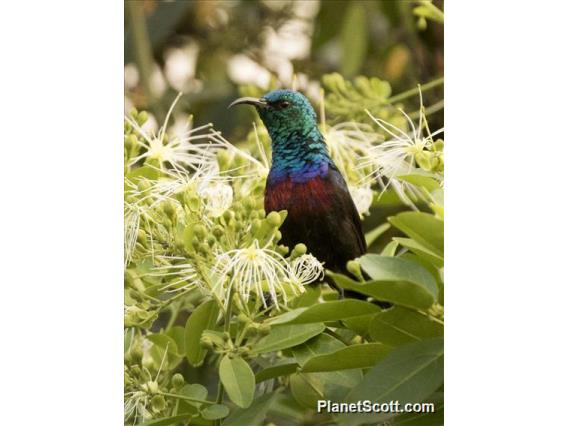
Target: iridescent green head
(284,113)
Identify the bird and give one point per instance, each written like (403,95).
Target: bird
(304,180)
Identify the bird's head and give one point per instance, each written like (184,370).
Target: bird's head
(283,112)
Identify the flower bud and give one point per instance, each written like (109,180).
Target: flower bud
(142,117)
(422,24)
(242,318)
(218,231)
(130,141)
(169,208)
(274,219)
(211,241)
(177,381)
(299,250)
(199,231)
(278,235)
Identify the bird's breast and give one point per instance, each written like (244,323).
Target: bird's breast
(309,197)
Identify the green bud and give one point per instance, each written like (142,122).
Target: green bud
(218,231)
(177,381)
(130,141)
(228,215)
(169,208)
(242,318)
(193,202)
(203,248)
(278,235)
(422,24)
(195,242)
(256,224)
(282,250)
(211,241)
(199,231)
(300,249)
(438,145)
(136,354)
(141,118)
(249,204)
(135,370)
(274,219)
(141,237)
(158,403)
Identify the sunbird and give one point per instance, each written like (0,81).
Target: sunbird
(304,180)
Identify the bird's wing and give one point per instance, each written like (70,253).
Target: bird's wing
(351,222)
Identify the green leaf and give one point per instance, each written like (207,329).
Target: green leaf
(398,325)
(426,182)
(425,228)
(253,415)
(164,347)
(166,421)
(390,249)
(328,311)
(287,336)
(421,251)
(359,325)
(238,380)
(178,334)
(277,371)
(215,411)
(202,318)
(355,356)
(354,36)
(322,344)
(409,373)
(371,236)
(393,279)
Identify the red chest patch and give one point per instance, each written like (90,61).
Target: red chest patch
(308,197)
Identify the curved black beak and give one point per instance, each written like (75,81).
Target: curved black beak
(260,103)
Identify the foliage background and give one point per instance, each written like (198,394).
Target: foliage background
(212,52)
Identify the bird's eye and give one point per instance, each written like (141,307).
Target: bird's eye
(284,104)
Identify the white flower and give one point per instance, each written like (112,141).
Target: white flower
(362,197)
(348,143)
(177,151)
(218,198)
(258,270)
(306,269)
(184,274)
(395,157)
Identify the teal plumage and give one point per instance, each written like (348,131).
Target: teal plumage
(305,181)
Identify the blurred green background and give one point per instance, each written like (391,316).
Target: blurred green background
(208,48)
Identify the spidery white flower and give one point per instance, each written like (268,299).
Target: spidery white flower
(395,157)
(218,197)
(179,151)
(348,142)
(255,269)
(183,274)
(306,269)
